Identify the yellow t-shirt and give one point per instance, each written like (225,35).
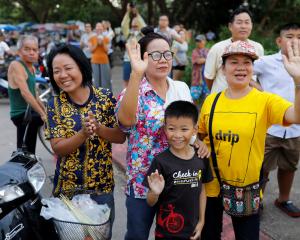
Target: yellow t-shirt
(239,132)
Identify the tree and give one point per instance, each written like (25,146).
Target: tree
(200,15)
(37,11)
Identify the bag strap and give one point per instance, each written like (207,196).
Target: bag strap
(262,179)
(213,152)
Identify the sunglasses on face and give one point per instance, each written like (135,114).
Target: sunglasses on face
(156,56)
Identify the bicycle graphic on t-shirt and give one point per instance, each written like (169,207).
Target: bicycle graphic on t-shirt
(173,222)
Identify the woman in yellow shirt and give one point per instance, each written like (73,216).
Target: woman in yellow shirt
(241,118)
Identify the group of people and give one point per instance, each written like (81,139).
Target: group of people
(169,172)
(131,26)
(97,47)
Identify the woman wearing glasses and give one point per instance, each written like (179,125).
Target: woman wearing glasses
(140,111)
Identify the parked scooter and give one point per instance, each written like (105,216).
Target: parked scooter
(21,179)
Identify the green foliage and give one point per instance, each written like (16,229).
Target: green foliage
(56,11)
(267,40)
(92,11)
(200,15)
(10,13)
(187,77)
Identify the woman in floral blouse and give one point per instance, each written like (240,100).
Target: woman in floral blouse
(81,126)
(140,112)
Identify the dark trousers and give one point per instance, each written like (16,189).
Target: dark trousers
(140,217)
(33,127)
(245,228)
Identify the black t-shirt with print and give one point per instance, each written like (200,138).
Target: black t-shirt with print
(178,205)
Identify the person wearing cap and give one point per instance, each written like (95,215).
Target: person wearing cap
(241,118)
(240,26)
(282,143)
(198,86)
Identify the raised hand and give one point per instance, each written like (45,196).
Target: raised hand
(138,65)
(128,7)
(156,182)
(292,61)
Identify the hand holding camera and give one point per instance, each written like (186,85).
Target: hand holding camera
(131,8)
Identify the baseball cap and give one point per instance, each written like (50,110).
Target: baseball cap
(200,37)
(240,47)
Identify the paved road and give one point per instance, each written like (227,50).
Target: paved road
(274,223)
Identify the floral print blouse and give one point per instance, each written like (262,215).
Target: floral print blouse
(90,166)
(146,139)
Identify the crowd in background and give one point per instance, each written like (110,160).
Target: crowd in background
(101,56)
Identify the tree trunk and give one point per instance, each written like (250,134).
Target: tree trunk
(150,12)
(44,16)
(162,6)
(29,10)
(266,17)
(188,11)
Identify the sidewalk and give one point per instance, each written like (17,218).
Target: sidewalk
(274,224)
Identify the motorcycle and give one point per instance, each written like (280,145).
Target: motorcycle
(21,179)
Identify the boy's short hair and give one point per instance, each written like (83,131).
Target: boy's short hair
(182,109)
(288,26)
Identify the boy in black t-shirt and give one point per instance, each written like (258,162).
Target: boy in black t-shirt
(175,178)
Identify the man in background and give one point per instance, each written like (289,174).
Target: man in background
(240,26)
(21,90)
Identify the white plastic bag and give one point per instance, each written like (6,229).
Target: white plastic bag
(56,209)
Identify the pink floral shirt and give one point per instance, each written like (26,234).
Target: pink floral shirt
(147,138)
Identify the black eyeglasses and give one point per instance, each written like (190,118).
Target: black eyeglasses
(156,56)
